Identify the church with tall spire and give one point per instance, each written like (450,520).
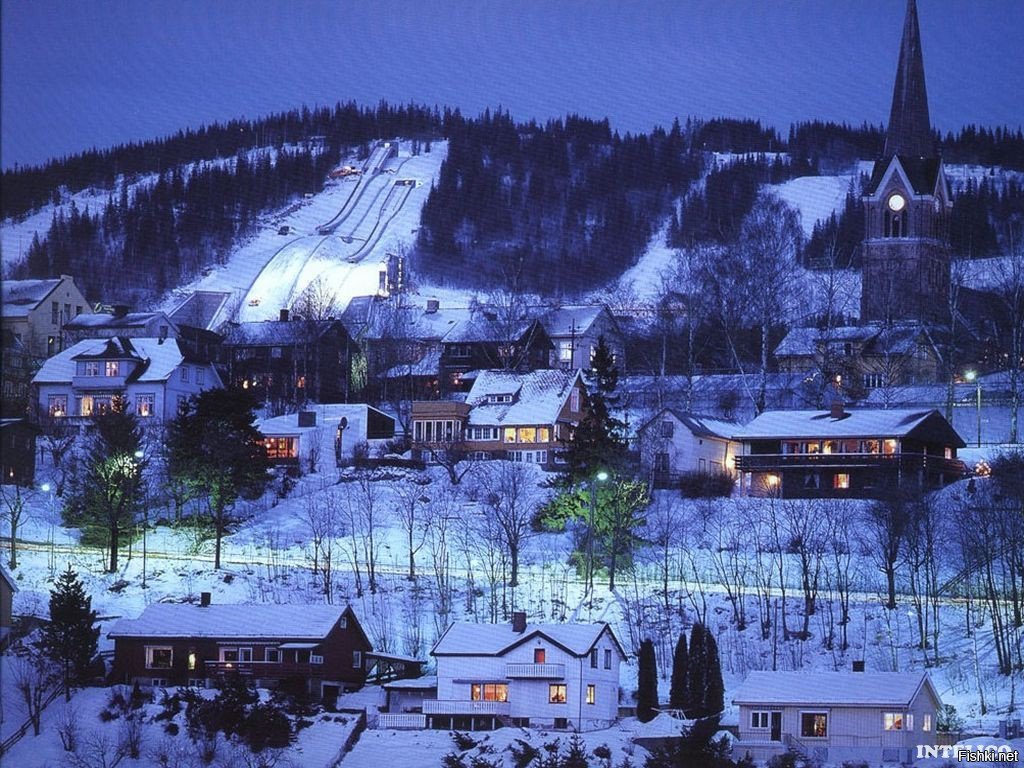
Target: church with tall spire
(907,204)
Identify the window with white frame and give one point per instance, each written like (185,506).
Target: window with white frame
(159,656)
(200,376)
(357,659)
(591,693)
(91,368)
(565,351)
(760,719)
(898,721)
(814,725)
(593,658)
(668,428)
(184,373)
(315,658)
(926,721)
(273,655)
(111,368)
(145,404)
(574,400)
(557,693)
(57,405)
(607,658)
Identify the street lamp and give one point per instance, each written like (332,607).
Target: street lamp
(973,376)
(145,525)
(52,560)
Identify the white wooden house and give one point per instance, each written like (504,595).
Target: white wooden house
(155,376)
(547,675)
(833,717)
(673,442)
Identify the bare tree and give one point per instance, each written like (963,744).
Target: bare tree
(884,535)
(14,514)
(443,505)
(511,496)
(35,678)
(364,522)
(414,513)
(1010,286)
(323,520)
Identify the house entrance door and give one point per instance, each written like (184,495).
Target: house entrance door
(776,726)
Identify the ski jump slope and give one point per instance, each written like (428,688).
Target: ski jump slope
(372,214)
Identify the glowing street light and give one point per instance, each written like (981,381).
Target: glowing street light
(973,376)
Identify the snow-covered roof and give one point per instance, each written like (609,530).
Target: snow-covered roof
(569,320)
(538,397)
(160,358)
(19,297)
(853,689)
(878,339)
(91,320)
(202,309)
(463,638)
(428,365)
(328,418)
(266,333)
(7,577)
(853,423)
(699,425)
(481,327)
(425,683)
(258,620)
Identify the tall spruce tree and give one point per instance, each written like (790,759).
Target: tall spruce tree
(678,697)
(714,691)
(71,636)
(647,682)
(696,679)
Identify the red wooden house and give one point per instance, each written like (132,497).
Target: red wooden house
(177,644)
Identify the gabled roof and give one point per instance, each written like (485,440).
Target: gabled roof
(465,639)
(878,339)
(851,689)
(539,397)
(571,319)
(91,320)
(263,620)
(203,309)
(865,423)
(274,333)
(8,577)
(19,297)
(698,425)
(921,173)
(158,358)
(428,365)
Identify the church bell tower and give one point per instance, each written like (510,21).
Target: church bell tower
(906,252)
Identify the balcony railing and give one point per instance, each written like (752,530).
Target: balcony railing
(448,707)
(264,669)
(535,671)
(98,383)
(904,462)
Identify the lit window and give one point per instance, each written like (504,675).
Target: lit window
(191,660)
(544,435)
(527,435)
(58,405)
(488,691)
(557,693)
(159,656)
(926,722)
(565,351)
(110,368)
(889,446)
(813,725)
(591,693)
(510,434)
(144,405)
(892,721)
(841,481)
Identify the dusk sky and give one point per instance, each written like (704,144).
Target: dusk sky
(86,73)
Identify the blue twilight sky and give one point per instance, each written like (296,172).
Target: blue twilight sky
(81,73)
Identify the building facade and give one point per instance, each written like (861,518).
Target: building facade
(673,442)
(836,717)
(188,644)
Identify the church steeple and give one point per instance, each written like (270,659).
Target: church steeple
(909,133)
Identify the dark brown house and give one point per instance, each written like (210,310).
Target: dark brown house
(840,453)
(177,644)
(18,451)
(290,361)
(485,342)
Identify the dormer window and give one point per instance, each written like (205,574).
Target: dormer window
(91,368)
(499,399)
(110,368)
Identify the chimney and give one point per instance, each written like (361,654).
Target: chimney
(858,666)
(433,305)
(837,408)
(307,418)
(519,622)
(284,315)
(204,599)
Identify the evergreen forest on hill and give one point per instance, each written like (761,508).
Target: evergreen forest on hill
(554,208)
